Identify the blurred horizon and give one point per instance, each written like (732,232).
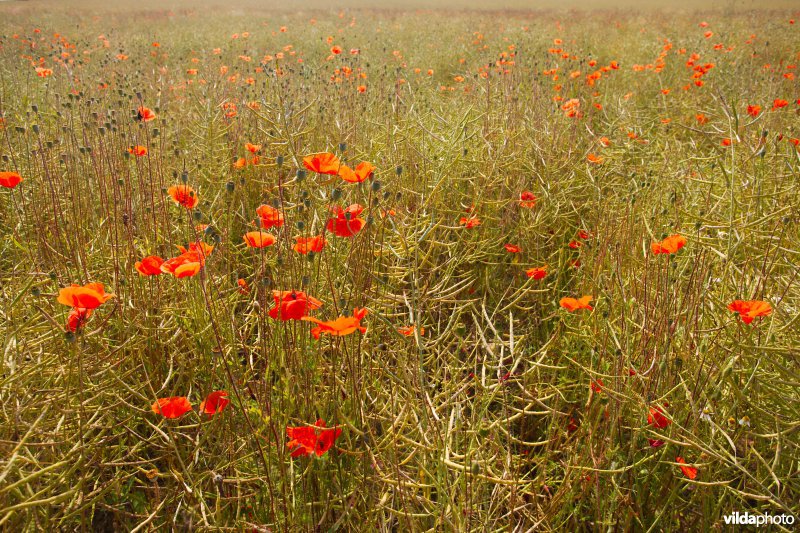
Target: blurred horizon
(245,6)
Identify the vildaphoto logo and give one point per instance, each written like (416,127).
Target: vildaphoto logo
(758,520)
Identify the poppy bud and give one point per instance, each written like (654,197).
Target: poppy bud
(335,195)
(155,132)
(230,186)
(376,186)
(398,170)
(35,108)
(279,161)
(300,225)
(342,147)
(35,128)
(184,177)
(301,175)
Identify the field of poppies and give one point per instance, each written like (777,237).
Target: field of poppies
(387,270)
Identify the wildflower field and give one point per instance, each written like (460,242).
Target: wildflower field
(320,268)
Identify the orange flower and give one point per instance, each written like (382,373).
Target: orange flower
(216,402)
(688,471)
(670,245)
(9,180)
(189,262)
(346,223)
(597,385)
(172,407)
(252,148)
(470,222)
(750,309)
(596,159)
(258,239)
(754,110)
(77,318)
(144,114)
(701,118)
(325,163)
(90,296)
(344,325)
(187,270)
(244,288)
(408,331)
(309,244)
(292,305)
(149,266)
(512,248)
(573,304)
(183,195)
(363,171)
(240,163)
(270,216)
(527,199)
(726,142)
(310,440)
(43,72)
(536,272)
(138,150)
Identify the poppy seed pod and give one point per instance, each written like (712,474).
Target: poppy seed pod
(230,186)
(279,161)
(301,175)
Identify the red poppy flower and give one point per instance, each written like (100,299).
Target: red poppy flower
(189,262)
(363,171)
(596,159)
(90,296)
(779,103)
(346,223)
(527,199)
(149,266)
(656,417)
(258,239)
(252,148)
(216,402)
(575,244)
(325,163)
(292,305)
(597,385)
(470,222)
(750,309)
(144,114)
(688,471)
(269,217)
(172,407)
(512,248)
(309,244)
(138,150)
(43,72)
(655,443)
(310,440)
(670,245)
(344,325)
(573,304)
(9,180)
(536,272)
(754,110)
(183,195)
(77,318)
